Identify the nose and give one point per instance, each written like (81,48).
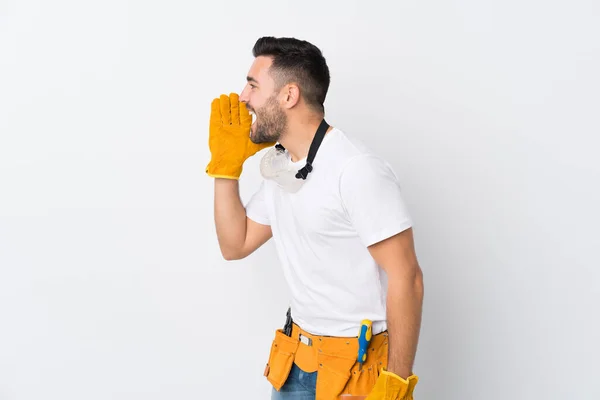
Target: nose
(244,95)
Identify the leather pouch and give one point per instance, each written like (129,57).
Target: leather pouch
(281,359)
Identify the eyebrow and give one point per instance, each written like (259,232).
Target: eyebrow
(251,79)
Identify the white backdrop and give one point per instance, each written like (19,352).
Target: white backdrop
(111,281)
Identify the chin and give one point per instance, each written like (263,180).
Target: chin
(255,139)
(259,136)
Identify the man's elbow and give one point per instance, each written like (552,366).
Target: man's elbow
(409,282)
(418,284)
(229,257)
(232,254)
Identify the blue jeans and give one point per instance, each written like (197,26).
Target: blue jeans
(299,385)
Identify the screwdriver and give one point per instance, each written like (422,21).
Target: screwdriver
(364,338)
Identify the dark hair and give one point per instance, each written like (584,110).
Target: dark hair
(297,61)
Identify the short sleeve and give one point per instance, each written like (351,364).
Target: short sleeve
(372,199)
(256,208)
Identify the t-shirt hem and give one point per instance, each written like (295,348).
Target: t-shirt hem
(387,233)
(378,327)
(257,219)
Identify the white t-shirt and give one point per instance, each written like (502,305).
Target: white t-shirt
(350,200)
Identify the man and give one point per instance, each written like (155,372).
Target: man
(340,225)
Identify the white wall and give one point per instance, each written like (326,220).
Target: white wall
(111,282)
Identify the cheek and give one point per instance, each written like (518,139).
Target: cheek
(256,100)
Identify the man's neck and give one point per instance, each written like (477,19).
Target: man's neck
(299,136)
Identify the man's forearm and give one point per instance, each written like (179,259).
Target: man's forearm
(230,216)
(404,309)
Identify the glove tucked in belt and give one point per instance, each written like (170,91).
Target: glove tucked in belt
(390,386)
(229,137)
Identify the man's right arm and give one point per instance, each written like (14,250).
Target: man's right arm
(238,235)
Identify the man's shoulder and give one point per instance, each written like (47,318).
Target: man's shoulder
(348,151)
(344,146)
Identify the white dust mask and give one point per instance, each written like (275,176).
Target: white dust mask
(277,165)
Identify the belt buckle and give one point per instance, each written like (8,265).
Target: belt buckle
(306,340)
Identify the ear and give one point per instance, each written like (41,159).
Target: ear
(290,95)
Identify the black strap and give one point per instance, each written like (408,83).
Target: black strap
(287,328)
(312,152)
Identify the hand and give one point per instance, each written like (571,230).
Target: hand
(229,137)
(390,386)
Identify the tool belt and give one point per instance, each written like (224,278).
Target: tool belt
(334,359)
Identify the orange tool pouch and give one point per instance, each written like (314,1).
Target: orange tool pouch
(335,359)
(281,358)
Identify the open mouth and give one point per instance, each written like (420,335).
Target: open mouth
(253,115)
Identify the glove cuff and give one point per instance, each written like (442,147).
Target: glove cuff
(397,387)
(218,170)
(393,375)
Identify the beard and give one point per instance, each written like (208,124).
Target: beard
(270,124)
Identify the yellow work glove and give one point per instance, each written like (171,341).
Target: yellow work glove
(229,137)
(390,386)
